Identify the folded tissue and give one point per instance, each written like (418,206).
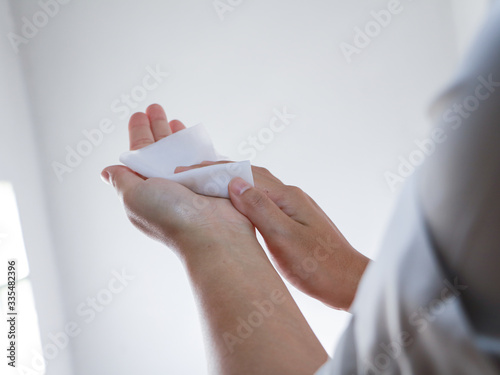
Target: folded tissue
(188,147)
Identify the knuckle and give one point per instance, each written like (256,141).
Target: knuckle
(262,170)
(266,173)
(294,192)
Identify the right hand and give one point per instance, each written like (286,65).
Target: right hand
(305,245)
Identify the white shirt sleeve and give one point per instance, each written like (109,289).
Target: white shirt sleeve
(429,304)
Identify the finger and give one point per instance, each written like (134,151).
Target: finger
(139,131)
(176,125)
(268,218)
(201,165)
(263,179)
(159,122)
(290,199)
(122,178)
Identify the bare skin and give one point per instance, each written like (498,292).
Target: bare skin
(305,245)
(234,282)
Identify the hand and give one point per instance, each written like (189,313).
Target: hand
(165,210)
(231,276)
(305,245)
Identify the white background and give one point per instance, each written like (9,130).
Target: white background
(353,122)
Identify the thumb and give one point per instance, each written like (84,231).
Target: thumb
(259,209)
(122,178)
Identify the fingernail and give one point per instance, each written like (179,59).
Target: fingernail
(105,177)
(239,185)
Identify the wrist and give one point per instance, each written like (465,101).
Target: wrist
(338,289)
(218,248)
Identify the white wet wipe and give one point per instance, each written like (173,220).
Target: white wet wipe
(184,148)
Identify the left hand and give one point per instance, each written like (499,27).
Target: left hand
(168,211)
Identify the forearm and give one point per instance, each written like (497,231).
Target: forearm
(251,323)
